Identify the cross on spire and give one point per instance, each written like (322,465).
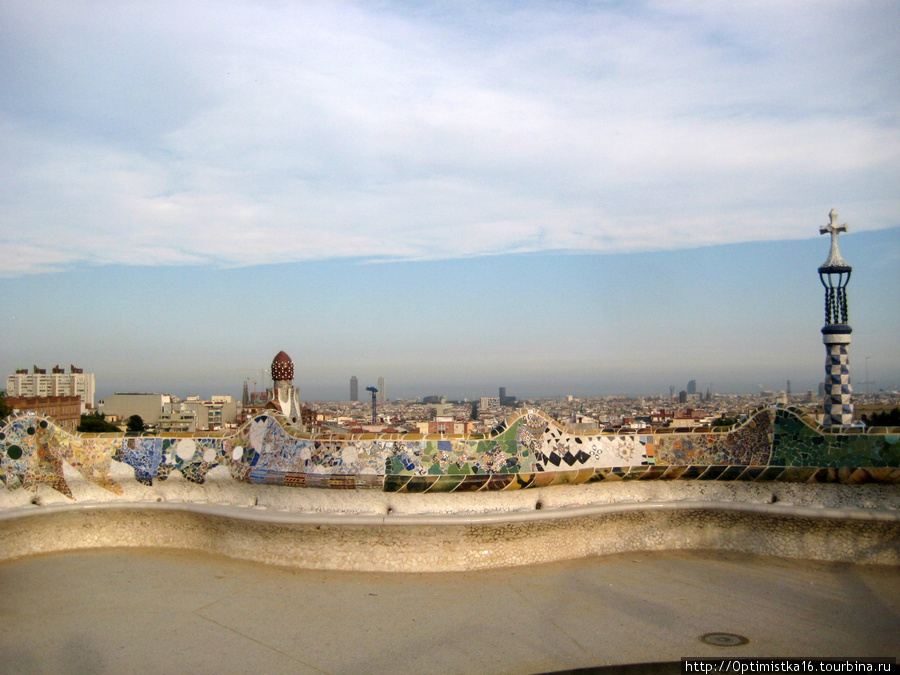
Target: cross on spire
(834,256)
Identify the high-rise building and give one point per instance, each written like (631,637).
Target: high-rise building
(354,388)
(57,383)
(506,400)
(692,387)
(382,392)
(834,274)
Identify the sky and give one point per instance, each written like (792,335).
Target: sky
(582,198)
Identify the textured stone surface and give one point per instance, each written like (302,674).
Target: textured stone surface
(459,542)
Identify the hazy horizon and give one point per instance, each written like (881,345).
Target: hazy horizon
(733,318)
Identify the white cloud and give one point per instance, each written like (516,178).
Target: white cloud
(244,133)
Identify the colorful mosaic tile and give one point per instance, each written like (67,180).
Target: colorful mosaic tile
(749,444)
(798,443)
(528,450)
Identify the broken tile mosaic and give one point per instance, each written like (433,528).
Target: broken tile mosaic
(528,450)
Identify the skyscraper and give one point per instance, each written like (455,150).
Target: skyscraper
(354,388)
(692,387)
(834,274)
(382,392)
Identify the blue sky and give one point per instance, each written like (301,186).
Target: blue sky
(582,198)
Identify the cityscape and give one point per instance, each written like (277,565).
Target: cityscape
(72,394)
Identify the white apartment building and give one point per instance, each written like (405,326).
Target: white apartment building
(56,383)
(489,403)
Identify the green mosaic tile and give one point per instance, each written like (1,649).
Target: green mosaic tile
(420,483)
(395,483)
(445,484)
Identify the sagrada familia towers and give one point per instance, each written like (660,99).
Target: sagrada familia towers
(835,275)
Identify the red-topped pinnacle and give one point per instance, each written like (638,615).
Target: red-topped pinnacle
(282,367)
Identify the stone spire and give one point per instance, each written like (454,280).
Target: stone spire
(834,274)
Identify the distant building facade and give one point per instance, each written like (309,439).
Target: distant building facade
(177,420)
(66,410)
(488,403)
(58,382)
(148,406)
(444,427)
(506,400)
(354,388)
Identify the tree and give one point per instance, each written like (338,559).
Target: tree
(96,424)
(5,408)
(885,419)
(135,423)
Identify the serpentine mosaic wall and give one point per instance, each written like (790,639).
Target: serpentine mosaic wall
(528,450)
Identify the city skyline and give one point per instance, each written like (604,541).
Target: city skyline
(624,332)
(558,198)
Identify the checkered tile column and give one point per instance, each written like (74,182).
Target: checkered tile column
(838,394)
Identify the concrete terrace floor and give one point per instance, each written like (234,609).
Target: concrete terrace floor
(165,611)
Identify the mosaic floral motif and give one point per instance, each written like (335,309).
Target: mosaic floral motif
(748,445)
(527,450)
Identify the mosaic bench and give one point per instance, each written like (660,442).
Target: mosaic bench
(528,450)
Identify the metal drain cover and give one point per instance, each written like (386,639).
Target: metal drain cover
(723,639)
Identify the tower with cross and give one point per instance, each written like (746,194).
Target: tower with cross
(834,274)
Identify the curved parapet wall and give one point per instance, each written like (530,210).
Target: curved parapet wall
(528,450)
(415,543)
